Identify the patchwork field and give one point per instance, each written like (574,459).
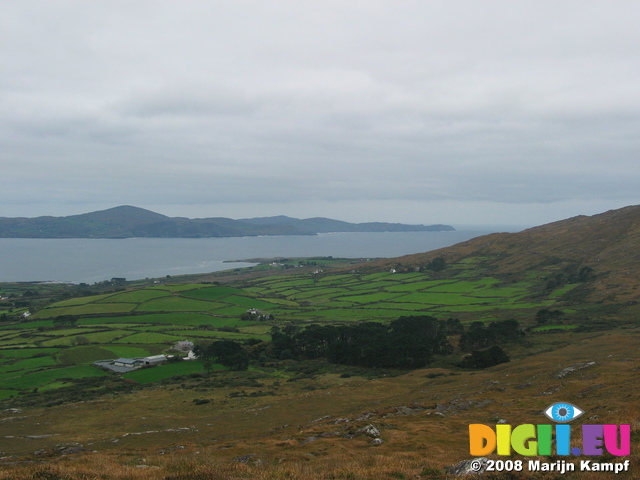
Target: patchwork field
(38,353)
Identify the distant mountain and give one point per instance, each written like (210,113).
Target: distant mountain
(127,221)
(326,225)
(601,252)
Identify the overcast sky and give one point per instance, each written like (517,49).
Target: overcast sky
(419,111)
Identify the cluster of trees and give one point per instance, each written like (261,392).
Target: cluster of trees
(570,274)
(437,264)
(546,315)
(479,335)
(485,358)
(225,352)
(408,342)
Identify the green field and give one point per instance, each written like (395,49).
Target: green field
(153,374)
(149,320)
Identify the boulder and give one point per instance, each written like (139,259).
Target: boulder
(370,431)
(468,467)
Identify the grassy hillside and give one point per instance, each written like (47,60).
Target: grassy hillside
(606,243)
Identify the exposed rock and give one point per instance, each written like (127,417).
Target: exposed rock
(406,410)
(366,416)
(574,368)
(522,386)
(377,441)
(69,448)
(553,389)
(467,467)
(458,405)
(11,419)
(370,431)
(441,408)
(251,459)
(326,417)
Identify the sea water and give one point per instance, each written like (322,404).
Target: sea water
(94,260)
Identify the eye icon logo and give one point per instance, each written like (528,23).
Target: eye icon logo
(563,412)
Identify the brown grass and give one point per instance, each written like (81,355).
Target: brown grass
(299,432)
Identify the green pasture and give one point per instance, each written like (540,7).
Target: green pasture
(67,331)
(248,302)
(27,364)
(262,329)
(120,351)
(99,337)
(546,328)
(4,394)
(464,286)
(26,352)
(238,336)
(288,282)
(86,354)
(177,287)
(390,292)
(178,304)
(21,326)
(161,372)
(212,293)
(282,301)
(86,309)
(18,341)
(415,286)
(84,300)
(558,292)
(136,296)
(289,292)
(232,311)
(177,318)
(44,377)
(319,292)
(148,320)
(398,306)
(149,337)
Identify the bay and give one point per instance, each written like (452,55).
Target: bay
(95,260)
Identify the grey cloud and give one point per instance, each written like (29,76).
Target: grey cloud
(214,102)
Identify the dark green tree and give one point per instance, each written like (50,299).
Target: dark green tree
(485,358)
(437,264)
(226,352)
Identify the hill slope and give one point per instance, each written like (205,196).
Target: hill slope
(127,221)
(603,247)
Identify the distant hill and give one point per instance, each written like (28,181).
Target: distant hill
(326,225)
(602,252)
(127,221)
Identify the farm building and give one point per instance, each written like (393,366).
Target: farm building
(124,365)
(128,362)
